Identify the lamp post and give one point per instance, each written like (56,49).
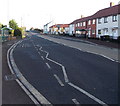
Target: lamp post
(8,13)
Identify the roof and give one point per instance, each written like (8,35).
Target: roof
(74,21)
(101,13)
(6,28)
(64,25)
(107,12)
(59,25)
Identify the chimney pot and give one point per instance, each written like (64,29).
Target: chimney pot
(111,4)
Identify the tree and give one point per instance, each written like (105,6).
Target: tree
(17,32)
(13,24)
(0,25)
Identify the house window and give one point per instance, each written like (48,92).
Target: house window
(105,19)
(114,18)
(93,22)
(99,20)
(89,22)
(105,30)
(99,31)
(76,25)
(83,23)
(93,31)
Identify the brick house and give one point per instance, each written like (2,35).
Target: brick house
(103,22)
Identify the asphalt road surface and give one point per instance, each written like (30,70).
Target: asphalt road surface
(11,91)
(65,75)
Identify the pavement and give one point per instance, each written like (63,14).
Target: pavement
(65,75)
(107,52)
(12,93)
(110,44)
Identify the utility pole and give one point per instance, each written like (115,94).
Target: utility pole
(7,13)
(21,21)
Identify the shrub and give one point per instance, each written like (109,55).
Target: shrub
(17,32)
(118,39)
(105,37)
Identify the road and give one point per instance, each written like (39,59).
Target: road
(66,75)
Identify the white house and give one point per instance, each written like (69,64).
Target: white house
(108,21)
(71,29)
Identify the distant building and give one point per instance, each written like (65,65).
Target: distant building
(46,28)
(72,28)
(59,29)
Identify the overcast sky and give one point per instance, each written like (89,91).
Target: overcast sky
(36,13)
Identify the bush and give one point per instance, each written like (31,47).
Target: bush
(17,32)
(118,39)
(105,37)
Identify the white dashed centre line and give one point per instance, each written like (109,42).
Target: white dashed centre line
(42,57)
(63,68)
(88,94)
(48,65)
(23,45)
(58,79)
(76,102)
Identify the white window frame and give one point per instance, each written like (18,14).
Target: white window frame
(81,24)
(84,23)
(93,21)
(99,20)
(89,22)
(99,30)
(105,19)
(93,31)
(114,18)
(76,24)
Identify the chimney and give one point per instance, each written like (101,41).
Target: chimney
(111,4)
(81,16)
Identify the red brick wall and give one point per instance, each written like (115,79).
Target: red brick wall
(93,27)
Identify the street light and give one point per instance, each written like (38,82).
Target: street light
(8,13)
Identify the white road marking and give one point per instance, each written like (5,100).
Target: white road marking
(65,74)
(76,102)
(107,57)
(48,65)
(115,60)
(58,79)
(27,92)
(24,83)
(6,78)
(74,86)
(88,94)
(63,68)
(9,44)
(42,57)
(23,45)
(39,53)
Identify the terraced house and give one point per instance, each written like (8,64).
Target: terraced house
(108,21)
(104,22)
